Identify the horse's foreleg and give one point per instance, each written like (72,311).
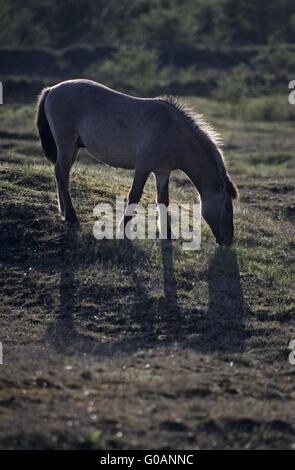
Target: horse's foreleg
(162,186)
(62,175)
(60,201)
(139,180)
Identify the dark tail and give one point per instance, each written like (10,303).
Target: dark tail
(43,128)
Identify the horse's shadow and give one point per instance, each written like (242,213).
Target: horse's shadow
(220,328)
(223,326)
(63,335)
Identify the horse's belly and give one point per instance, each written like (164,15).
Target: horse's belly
(120,154)
(115,160)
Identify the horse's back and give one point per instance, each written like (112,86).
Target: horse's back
(112,125)
(89,96)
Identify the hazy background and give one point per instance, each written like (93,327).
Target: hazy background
(233,51)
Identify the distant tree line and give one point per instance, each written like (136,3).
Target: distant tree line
(234,49)
(153,24)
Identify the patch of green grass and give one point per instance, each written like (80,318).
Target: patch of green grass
(268,108)
(17,118)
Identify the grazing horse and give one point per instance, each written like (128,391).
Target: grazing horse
(145,134)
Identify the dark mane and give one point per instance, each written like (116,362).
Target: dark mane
(209,137)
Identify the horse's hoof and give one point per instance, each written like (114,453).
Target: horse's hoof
(73,222)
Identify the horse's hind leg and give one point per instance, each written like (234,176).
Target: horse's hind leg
(59,197)
(162,186)
(62,174)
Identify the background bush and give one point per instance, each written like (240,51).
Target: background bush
(239,52)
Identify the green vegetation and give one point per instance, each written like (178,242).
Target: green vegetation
(149,47)
(241,100)
(131,67)
(152,22)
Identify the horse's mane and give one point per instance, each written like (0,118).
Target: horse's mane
(209,136)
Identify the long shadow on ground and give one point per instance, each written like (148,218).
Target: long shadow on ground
(62,333)
(221,327)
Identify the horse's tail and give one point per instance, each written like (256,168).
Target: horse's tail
(43,128)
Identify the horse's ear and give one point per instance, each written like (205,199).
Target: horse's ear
(232,189)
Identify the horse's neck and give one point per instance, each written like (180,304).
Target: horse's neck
(202,173)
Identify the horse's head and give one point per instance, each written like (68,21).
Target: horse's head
(217,210)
